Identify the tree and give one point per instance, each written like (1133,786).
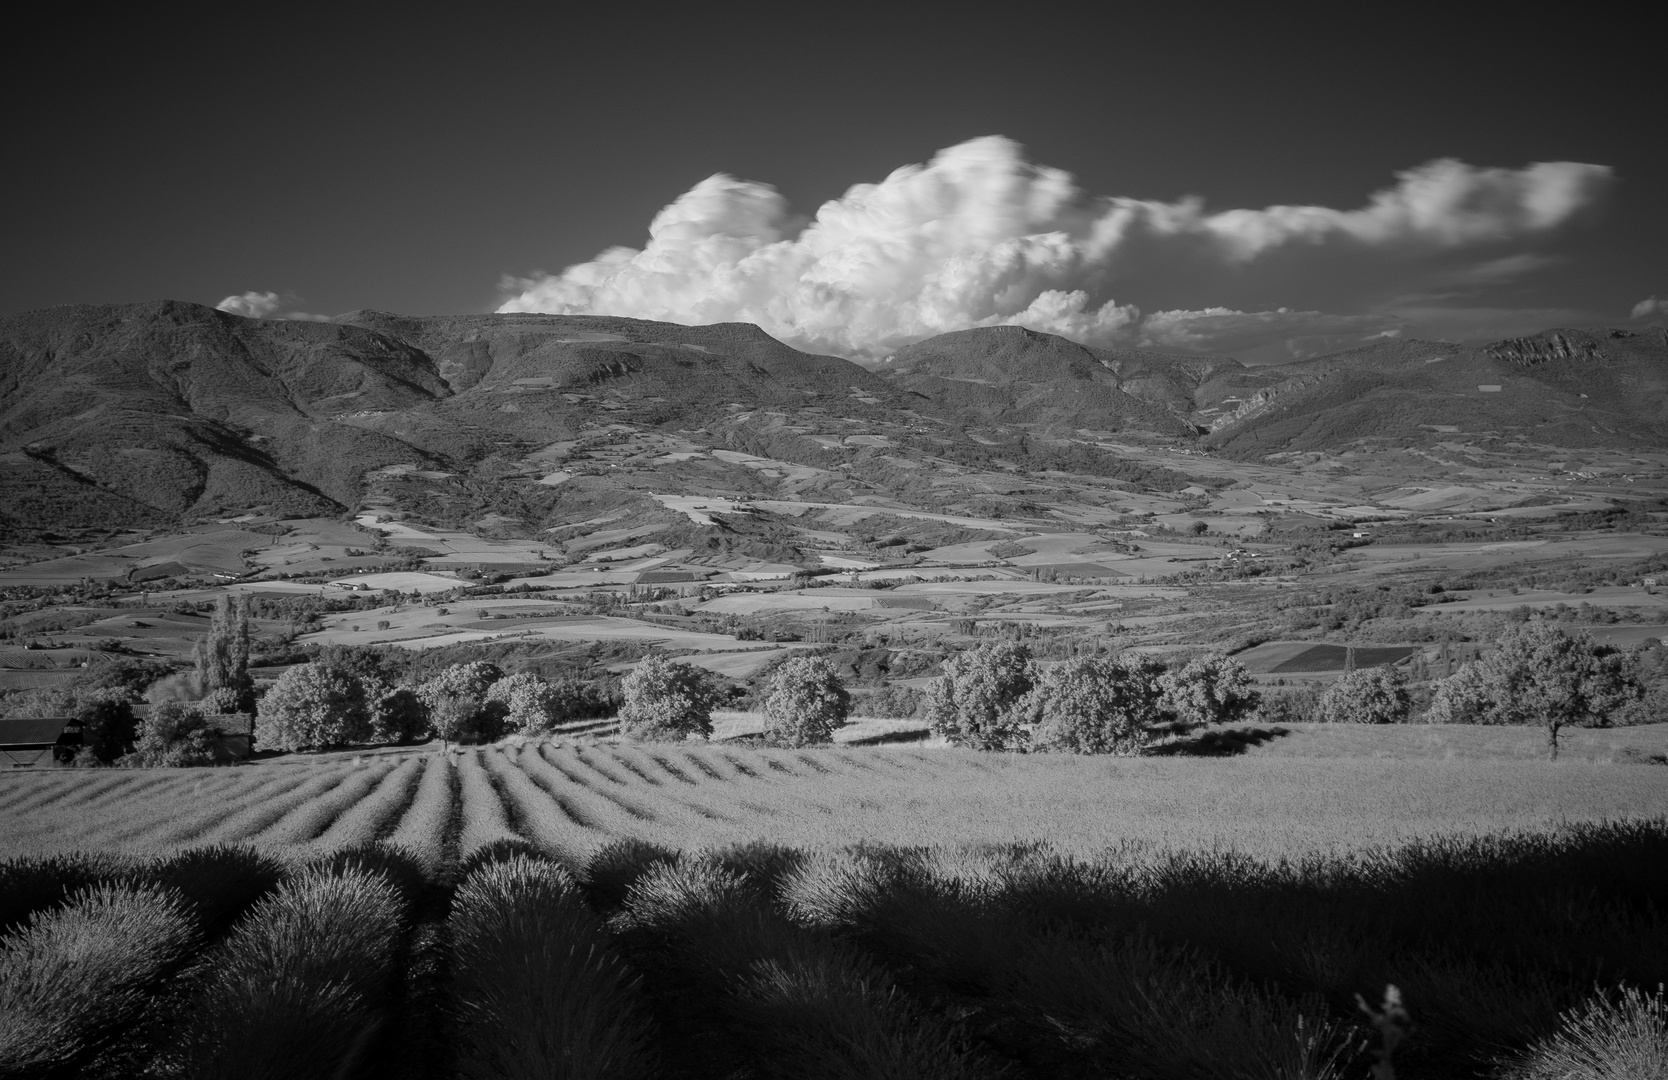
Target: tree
(173,734)
(1210,689)
(1375,695)
(108,727)
(1096,705)
(398,716)
(667,701)
(1200,528)
(458,705)
(1540,674)
(223,653)
(973,703)
(806,703)
(313,706)
(531,705)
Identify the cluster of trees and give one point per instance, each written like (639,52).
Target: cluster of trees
(1536,673)
(347,697)
(997,697)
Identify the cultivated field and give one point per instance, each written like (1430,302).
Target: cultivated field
(1285,793)
(612,911)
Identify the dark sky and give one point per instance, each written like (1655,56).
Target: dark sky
(407,161)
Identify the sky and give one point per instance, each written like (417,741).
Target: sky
(1268,186)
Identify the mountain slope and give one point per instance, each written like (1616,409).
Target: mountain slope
(1572,388)
(161,410)
(1008,374)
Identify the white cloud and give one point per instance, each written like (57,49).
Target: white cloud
(980,237)
(265,305)
(251,305)
(1644,309)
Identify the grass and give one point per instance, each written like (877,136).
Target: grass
(78,975)
(541,991)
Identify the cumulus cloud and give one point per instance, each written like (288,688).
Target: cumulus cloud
(1644,309)
(980,237)
(251,305)
(265,305)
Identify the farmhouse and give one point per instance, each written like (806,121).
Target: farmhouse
(44,742)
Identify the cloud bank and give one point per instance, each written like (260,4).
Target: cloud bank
(980,237)
(1646,308)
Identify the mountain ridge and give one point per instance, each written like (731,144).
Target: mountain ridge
(163,410)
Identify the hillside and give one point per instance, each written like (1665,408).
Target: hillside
(146,413)
(1567,388)
(152,415)
(1008,374)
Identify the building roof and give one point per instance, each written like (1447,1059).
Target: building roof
(33,731)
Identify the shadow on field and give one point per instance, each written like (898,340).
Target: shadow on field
(1219,743)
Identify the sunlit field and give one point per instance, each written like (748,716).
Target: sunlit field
(570,798)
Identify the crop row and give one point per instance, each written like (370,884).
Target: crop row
(1515,955)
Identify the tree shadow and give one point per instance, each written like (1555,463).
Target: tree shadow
(1224,743)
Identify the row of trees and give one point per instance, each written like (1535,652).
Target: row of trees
(997,697)
(1536,674)
(345,697)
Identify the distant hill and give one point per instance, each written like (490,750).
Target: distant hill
(143,413)
(1572,388)
(1008,374)
(147,414)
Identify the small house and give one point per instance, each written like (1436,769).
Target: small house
(27,742)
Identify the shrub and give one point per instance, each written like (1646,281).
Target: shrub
(973,703)
(531,705)
(614,868)
(1625,1038)
(667,701)
(541,991)
(806,703)
(1210,689)
(36,883)
(297,988)
(810,1006)
(1094,705)
(458,704)
(314,706)
(1540,674)
(76,976)
(174,734)
(1376,695)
